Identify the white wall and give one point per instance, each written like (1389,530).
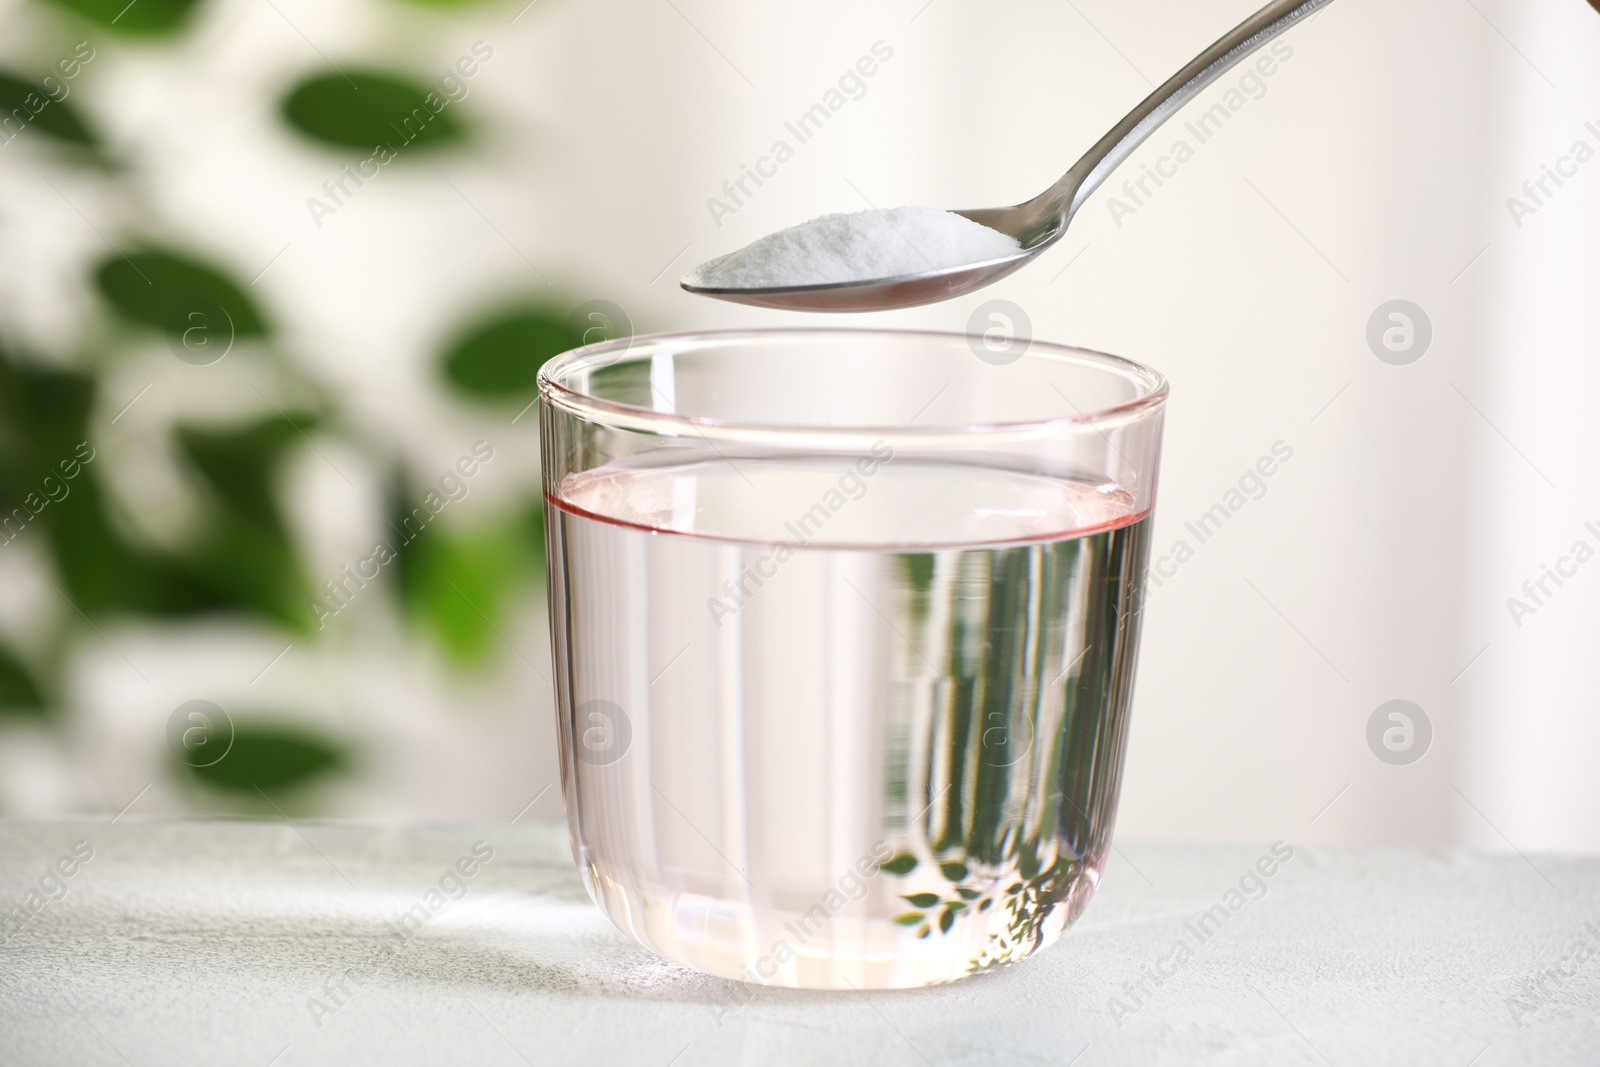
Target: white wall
(1530,726)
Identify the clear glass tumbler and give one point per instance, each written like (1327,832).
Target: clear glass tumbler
(844,625)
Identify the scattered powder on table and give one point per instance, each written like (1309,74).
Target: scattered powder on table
(858,246)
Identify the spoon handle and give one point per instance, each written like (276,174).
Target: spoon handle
(1079,183)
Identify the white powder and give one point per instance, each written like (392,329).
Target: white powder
(858,246)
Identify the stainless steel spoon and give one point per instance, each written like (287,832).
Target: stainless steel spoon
(1040,222)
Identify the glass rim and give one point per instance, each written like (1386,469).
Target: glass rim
(1153,395)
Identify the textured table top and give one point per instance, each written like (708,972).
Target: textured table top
(254,943)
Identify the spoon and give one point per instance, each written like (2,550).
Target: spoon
(1040,222)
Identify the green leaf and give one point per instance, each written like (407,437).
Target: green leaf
(902,864)
(246,557)
(145,18)
(923,900)
(103,573)
(910,918)
(946,920)
(954,871)
(369,108)
(499,357)
(49,482)
(968,894)
(44,414)
(272,756)
(51,473)
(255,571)
(57,118)
(459,585)
(18,690)
(158,287)
(239,464)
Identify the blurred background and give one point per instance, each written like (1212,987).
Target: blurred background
(277,275)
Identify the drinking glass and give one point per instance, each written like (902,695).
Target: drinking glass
(844,628)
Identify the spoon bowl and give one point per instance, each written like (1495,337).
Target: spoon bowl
(1038,223)
(879,294)
(907,290)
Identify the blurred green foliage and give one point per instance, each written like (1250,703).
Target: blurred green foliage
(44,415)
(141,18)
(104,574)
(499,357)
(57,118)
(246,556)
(459,586)
(363,109)
(457,580)
(270,755)
(18,690)
(160,288)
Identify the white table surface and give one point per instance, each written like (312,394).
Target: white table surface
(228,942)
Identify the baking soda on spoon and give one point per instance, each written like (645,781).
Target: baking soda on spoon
(856,246)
